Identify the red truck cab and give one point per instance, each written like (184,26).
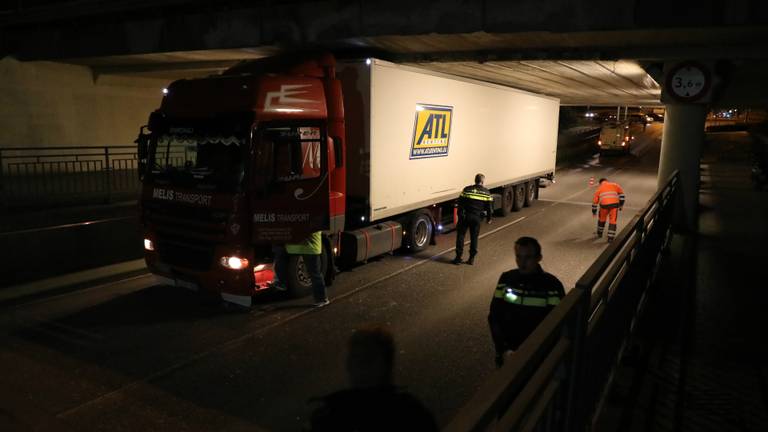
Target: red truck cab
(236,163)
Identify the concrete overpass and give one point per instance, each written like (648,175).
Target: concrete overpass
(585,52)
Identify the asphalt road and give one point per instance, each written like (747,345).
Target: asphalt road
(133,355)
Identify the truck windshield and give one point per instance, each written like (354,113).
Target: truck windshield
(206,161)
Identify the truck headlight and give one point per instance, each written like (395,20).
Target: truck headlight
(234,263)
(149,245)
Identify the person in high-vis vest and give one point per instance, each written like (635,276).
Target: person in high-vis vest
(522,299)
(475,203)
(609,197)
(310,250)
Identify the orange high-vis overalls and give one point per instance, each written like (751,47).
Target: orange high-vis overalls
(610,197)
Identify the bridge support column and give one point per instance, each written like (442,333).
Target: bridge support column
(681,145)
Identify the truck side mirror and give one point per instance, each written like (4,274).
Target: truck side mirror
(142,141)
(331,154)
(263,172)
(337,152)
(269,162)
(142,150)
(297,162)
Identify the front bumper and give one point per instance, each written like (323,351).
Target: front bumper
(217,279)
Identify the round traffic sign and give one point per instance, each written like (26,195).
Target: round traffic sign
(688,81)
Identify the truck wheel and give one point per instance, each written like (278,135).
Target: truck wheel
(299,283)
(419,231)
(519,201)
(507,198)
(530,192)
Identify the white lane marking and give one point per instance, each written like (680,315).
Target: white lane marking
(426,260)
(582,203)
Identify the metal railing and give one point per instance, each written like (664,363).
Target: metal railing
(558,378)
(46,175)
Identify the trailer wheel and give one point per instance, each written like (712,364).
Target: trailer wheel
(519,201)
(507,200)
(530,192)
(419,231)
(299,283)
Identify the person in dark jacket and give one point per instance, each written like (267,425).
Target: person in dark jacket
(522,299)
(372,403)
(475,203)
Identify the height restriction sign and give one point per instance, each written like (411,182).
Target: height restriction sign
(687,81)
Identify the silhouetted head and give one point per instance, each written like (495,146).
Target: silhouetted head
(602,180)
(370,357)
(527,254)
(479,179)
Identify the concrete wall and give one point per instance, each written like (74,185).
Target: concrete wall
(45,104)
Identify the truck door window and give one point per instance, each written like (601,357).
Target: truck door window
(297,152)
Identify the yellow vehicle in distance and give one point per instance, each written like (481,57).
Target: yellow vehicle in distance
(616,137)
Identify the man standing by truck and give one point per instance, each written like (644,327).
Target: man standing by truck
(475,202)
(610,198)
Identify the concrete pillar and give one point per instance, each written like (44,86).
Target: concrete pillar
(681,145)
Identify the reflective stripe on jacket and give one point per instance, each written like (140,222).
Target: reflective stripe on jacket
(312,245)
(476,193)
(476,200)
(526,298)
(608,195)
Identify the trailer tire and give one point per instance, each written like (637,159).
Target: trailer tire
(419,231)
(507,200)
(519,200)
(299,283)
(530,192)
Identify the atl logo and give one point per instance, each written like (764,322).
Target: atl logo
(431,132)
(434,131)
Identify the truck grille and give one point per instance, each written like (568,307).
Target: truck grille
(186,236)
(182,254)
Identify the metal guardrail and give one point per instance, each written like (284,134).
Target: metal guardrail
(46,175)
(558,378)
(54,175)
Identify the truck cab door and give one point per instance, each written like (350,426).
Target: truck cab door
(290,183)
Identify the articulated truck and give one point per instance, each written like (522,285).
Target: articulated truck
(371,153)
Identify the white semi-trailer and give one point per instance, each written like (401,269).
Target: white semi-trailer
(422,136)
(372,153)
